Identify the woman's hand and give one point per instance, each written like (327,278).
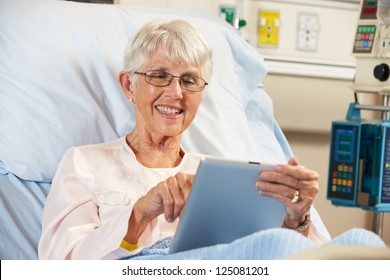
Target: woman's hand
(286,180)
(168,198)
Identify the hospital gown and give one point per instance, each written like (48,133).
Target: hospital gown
(93,192)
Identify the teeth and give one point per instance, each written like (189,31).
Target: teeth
(166,110)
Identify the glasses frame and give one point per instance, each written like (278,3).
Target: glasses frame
(145,74)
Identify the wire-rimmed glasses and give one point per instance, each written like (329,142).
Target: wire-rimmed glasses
(161,78)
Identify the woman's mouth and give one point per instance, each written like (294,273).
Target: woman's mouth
(168,110)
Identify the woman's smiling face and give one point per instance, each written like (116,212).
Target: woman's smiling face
(165,111)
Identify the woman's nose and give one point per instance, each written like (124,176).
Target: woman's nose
(175,88)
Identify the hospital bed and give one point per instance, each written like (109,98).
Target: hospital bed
(59,63)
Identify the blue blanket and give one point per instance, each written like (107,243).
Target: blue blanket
(265,245)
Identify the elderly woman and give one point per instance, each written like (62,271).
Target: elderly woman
(113,200)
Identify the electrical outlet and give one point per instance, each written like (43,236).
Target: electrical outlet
(307,33)
(268,28)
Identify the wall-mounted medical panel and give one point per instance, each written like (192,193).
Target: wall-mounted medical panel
(312,67)
(328,27)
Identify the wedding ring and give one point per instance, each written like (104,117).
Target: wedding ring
(295,197)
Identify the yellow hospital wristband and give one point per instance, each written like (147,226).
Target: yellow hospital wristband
(128,246)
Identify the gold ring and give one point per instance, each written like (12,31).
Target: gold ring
(295,197)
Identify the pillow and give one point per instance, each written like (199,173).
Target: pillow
(58,84)
(59,63)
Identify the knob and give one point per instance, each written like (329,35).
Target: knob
(382,72)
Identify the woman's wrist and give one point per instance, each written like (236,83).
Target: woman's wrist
(299,225)
(136,226)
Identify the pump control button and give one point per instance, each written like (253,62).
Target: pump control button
(382,72)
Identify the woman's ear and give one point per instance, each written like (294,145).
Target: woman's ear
(125,82)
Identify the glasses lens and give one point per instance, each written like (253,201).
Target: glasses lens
(192,83)
(158,78)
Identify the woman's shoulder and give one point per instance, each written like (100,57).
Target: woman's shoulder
(95,147)
(97,150)
(92,157)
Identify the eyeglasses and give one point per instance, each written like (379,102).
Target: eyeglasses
(160,78)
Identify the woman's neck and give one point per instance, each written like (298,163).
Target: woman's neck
(155,152)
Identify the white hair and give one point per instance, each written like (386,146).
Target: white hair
(177,40)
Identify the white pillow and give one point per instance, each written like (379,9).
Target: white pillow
(59,63)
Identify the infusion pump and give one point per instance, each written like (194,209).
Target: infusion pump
(359,167)
(359,162)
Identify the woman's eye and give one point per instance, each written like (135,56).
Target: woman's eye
(160,76)
(189,80)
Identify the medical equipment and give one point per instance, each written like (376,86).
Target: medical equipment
(359,164)
(233,14)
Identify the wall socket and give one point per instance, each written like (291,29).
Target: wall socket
(307,33)
(268,28)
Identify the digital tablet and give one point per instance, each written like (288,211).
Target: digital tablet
(224,205)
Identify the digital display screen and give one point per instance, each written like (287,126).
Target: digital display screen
(344,145)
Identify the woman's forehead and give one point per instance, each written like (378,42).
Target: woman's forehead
(162,62)
(173,58)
